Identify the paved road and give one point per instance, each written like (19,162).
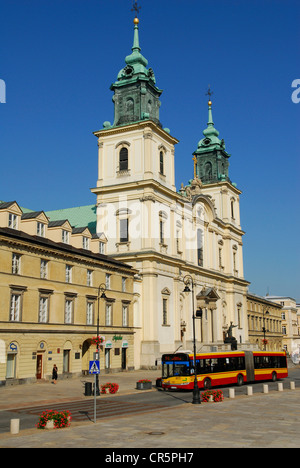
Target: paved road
(82,410)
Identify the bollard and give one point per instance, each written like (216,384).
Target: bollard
(14,426)
(231,393)
(249,391)
(265,388)
(280,386)
(292,386)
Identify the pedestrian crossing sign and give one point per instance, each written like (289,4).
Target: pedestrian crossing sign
(94,367)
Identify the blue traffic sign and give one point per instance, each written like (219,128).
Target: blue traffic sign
(94,367)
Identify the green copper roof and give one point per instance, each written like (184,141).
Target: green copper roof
(79,216)
(210,140)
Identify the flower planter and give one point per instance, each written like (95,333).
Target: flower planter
(143,385)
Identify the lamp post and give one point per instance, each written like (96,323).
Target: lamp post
(265,312)
(196,393)
(101,290)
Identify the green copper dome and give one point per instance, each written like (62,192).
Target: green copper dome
(211,158)
(136,96)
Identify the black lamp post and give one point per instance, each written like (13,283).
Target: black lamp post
(196,392)
(265,312)
(101,290)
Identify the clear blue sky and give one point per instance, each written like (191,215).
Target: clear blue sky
(59,58)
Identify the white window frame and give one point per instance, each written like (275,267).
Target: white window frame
(44,269)
(16,264)
(85,243)
(40,229)
(65,236)
(69,309)
(90,312)
(15,307)
(44,309)
(12,221)
(125,315)
(108,314)
(69,274)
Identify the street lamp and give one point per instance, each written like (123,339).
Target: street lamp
(265,312)
(101,295)
(196,393)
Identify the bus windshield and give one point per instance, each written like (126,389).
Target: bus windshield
(173,369)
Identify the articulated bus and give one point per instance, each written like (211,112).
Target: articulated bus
(221,368)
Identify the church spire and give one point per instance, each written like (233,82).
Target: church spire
(136,96)
(210,158)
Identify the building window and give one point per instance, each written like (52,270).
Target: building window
(124,284)
(43,309)
(12,221)
(68,274)
(65,237)
(107,281)
(200,247)
(15,307)
(101,247)
(108,315)
(161,232)
(89,279)
(165,311)
(284,330)
(40,229)
(161,162)
(123,162)
(44,269)
(220,258)
(16,264)
(89,313)
(125,315)
(232,208)
(124,237)
(208,171)
(69,311)
(85,243)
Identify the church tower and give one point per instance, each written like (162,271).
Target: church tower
(210,157)
(136,97)
(167,235)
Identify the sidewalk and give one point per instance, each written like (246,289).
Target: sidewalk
(18,396)
(258,421)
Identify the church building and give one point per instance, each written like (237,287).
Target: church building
(174,238)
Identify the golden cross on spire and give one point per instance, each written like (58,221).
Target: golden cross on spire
(195,166)
(136,8)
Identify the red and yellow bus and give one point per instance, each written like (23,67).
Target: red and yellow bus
(221,368)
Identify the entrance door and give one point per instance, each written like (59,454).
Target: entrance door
(66,362)
(107,358)
(11,366)
(39,366)
(124,358)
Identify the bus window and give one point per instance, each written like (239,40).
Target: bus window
(174,369)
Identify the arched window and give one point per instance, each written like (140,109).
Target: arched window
(161,162)
(208,171)
(130,107)
(123,163)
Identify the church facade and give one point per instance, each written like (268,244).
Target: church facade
(173,238)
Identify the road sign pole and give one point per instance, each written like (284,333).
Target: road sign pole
(95,396)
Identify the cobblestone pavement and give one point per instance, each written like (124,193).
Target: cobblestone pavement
(258,421)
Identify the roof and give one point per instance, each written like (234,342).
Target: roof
(78,216)
(61,247)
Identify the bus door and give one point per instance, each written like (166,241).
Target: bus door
(249,361)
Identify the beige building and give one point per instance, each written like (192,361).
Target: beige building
(290,330)
(49,299)
(264,323)
(169,235)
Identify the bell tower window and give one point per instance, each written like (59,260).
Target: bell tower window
(123,162)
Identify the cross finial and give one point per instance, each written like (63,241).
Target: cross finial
(209,92)
(136,8)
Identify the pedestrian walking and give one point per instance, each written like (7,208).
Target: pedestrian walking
(54,374)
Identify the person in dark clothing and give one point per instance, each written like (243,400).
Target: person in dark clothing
(54,374)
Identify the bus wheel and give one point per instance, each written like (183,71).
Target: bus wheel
(240,380)
(207,384)
(274,377)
